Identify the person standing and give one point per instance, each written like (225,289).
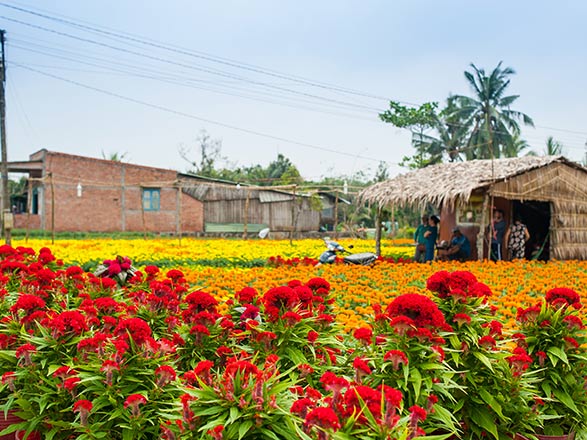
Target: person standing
(515,239)
(496,233)
(431,235)
(421,240)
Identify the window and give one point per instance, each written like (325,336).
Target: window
(151,199)
(470,214)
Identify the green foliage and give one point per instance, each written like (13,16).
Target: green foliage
(410,117)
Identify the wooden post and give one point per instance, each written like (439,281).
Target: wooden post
(179,216)
(143,212)
(293,214)
(335,224)
(378,231)
(29,208)
(481,233)
(246,215)
(52,208)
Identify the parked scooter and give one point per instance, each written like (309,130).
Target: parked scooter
(333,248)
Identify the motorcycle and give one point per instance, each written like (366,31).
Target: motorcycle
(333,248)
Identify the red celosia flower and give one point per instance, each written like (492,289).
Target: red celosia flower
(318,283)
(401,324)
(250,312)
(364,334)
(301,406)
(396,357)
(151,270)
(134,401)
(571,342)
(136,328)
(216,432)
(201,301)
(325,418)
(573,322)
(438,283)
(64,372)
(312,336)
(83,404)
(461,318)
(28,304)
(164,374)
(247,295)
(305,369)
(8,379)
(67,323)
(419,308)
(487,341)
(417,413)
(291,318)
(70,383)
(528,315)
(175,275)
(24,352)
(281,298)
(361,366)
(332,382)
(564,297)
(83,407)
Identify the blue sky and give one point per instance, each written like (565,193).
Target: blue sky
(152,101)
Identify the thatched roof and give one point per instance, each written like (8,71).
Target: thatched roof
(452,183)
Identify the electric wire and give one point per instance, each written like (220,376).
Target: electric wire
(191,116)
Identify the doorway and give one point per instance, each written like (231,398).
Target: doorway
(536,216)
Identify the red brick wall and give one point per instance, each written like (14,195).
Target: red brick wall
(112,196)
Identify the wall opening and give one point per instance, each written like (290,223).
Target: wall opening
(536,216)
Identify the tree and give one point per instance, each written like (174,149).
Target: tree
(417,119)
(282,172)
(115,157)
(553,147)
(516,147)
(450,139)
(488,116)
(208,155)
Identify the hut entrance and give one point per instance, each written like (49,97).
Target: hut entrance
(536,216)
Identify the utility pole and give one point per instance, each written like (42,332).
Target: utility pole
(6,213)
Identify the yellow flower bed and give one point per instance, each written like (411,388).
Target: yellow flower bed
(193,248)
(356,288)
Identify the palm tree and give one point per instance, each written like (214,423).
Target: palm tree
(491,122)
(516,147)
(553,147)
(450,139)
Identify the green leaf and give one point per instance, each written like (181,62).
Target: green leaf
(488,399)
(243,428)
(557,352)
(234,415)
(566,400)
(484,420)
(484,359)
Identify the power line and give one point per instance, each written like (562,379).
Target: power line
(188,66)
(201,55)
(209,121)
(186,82)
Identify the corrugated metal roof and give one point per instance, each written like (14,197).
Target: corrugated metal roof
(272,196)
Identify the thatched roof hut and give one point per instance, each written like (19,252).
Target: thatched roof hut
(511,184)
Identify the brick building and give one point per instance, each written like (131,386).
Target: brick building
(75,193)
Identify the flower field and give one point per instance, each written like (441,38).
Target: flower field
(151,340)
(223,267)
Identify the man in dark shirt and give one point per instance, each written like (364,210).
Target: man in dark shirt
(460,247)
(496,233)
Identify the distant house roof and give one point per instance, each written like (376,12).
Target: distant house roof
(450,183)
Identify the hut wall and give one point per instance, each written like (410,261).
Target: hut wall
(566,188)
(277,215)
(448,221)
